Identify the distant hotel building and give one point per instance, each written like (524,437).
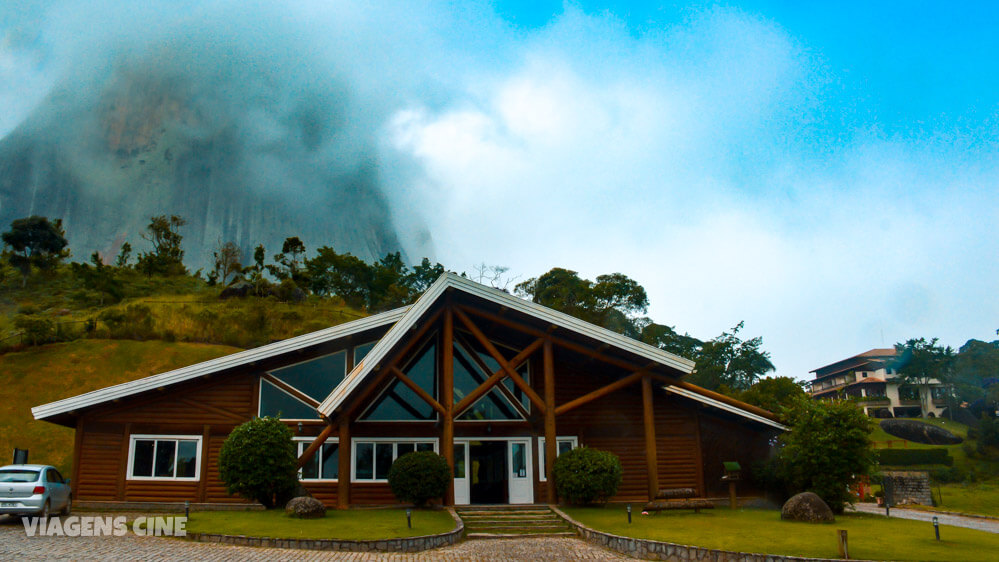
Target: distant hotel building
(870,377)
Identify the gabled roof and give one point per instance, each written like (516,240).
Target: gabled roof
(874,356)
(553,317)
(215,365)
(725,403)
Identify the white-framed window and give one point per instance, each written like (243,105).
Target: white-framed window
(563,444)
(372,457)
(324,465)
(164,457)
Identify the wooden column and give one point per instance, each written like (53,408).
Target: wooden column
(343,467)
(206,435)
(648,416)
(551,444)
(123,461)
(447,400)
(77,453)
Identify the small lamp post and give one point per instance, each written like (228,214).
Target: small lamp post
(409,518)
(732,475)
(300,427)
(629,513)
(187,508)
(936,526)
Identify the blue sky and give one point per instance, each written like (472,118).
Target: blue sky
(828,173)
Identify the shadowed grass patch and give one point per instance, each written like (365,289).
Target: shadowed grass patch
(353,524)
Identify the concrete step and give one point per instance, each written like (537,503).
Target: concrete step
(508,516)
(516,528)
(517,535)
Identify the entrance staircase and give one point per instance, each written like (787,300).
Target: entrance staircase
(503,521)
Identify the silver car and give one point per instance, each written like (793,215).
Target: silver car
(34,489)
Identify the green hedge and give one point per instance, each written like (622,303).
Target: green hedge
(911,457)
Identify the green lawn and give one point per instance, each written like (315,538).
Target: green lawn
(354,524)
(871,537)
(981,498)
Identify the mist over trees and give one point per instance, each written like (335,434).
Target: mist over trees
(614,301)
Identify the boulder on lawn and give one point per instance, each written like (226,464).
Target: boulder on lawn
(306,507)
(807,507)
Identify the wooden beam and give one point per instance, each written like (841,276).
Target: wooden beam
(495,378)
(561,342)
(123,462)
(419,391)
(343,468)
(649,419)
(599,393)
(206,435)
(491,349)
(501,387)
(447,397)
(551,445)
(726,400)
(291,390)
(316,444)
(363,398)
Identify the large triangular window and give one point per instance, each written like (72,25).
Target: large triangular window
(317,377)
(398,402)
(276,402)
(471,368)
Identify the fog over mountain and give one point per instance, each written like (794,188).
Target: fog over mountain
(239,127)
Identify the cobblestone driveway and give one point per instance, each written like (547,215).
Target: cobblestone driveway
(15,545)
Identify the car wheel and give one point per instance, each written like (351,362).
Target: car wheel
(68,507)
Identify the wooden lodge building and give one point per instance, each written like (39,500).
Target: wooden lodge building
(494,383)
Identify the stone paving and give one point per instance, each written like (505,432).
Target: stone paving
(15,545)
(979,523)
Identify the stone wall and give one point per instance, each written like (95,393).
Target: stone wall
(909,487)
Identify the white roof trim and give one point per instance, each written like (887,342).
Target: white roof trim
(215,365)
(723,406)
(396,333)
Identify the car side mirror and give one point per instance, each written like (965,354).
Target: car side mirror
(67,480)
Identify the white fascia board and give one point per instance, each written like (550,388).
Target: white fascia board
(216,365)
(384,345)
(423,304)
(723,406)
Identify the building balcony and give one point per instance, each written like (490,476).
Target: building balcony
(874,401)
(910,402)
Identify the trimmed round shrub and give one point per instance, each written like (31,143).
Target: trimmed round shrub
(584,476)
(258,462)
(419,477)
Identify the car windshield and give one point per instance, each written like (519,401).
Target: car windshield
(19,475)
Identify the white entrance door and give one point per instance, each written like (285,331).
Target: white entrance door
(462,489)
(520,471)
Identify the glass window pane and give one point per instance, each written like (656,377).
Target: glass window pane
(519,460)
(361,351)
(187,458)
(399,403)
(164,458)
(316,377)
(276,402)
(364,461)
(142,459)
(310,470)
(424,446)
(459,461)
(383,460)
(564,446)
(331,461)
(403,448)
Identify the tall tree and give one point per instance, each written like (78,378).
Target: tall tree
(289,265)
(124,254)
(424,275)
(922,362)
(612,301)
(343,275)
(776,394)
(227,260)
(35,242)
(167,256)
(976,373)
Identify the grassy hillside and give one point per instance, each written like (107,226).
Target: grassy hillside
(51,372)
